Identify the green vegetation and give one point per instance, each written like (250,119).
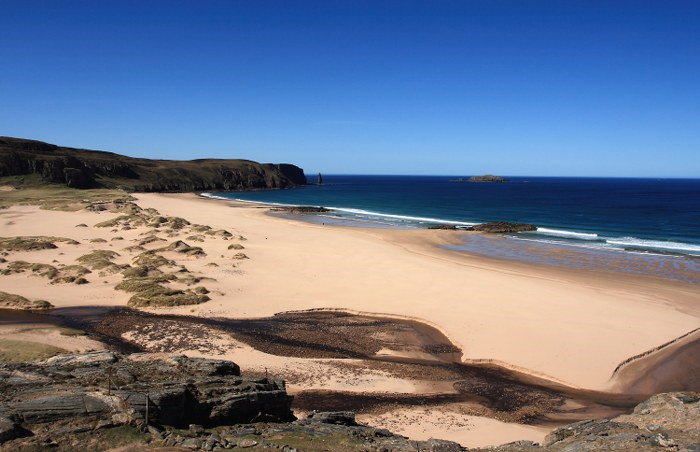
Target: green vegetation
(12,301)
(158,296)
(57,275)
(53,197)
(152,260)
(181,247)
(143,284)
(12,351)
(129,220)
(219,233)
(150,239)
(102,260)
(134,249)
(200,228)
(32,243)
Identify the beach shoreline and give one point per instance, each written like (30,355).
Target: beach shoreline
(637,292)
(561,330)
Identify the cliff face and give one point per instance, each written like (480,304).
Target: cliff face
(80,168)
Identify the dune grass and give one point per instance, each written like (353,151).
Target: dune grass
(13,301)
(13,351)
(54,197)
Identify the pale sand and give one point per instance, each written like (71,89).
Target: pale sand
(469,431)
(574,327)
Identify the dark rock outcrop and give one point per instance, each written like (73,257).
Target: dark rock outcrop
(303,209)
(80,168)
(177,392)
(9,429)
(66,403)
(449,227)
(501,227)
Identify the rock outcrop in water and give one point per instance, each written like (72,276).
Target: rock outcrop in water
(79,168)
(487,178)
(502,227)
(303,209)
(484,178)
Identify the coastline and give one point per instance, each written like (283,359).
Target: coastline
(589,300)
(537,326)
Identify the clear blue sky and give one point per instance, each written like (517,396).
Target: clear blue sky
(609,88)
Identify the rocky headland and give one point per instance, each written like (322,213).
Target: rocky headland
(35,162)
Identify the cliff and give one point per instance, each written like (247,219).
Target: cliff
(81,168)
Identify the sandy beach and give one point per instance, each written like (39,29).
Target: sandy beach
(566,327)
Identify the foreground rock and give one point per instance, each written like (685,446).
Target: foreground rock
(104,387)
(668,421)
(102,401)
(502,227)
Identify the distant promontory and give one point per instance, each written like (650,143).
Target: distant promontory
(30,162)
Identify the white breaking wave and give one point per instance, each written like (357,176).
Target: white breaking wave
(212,196)
(654,244)
(401,217)
(568,234)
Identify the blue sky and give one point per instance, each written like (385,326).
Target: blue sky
(607,88)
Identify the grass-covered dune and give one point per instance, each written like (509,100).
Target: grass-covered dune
(29,162)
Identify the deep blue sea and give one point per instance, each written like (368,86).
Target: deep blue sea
(654,216)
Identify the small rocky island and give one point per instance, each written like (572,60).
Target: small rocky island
(487,178)
(484,178)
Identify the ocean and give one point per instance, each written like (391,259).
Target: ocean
(650,216)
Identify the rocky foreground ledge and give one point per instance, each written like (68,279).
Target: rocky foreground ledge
(102,400)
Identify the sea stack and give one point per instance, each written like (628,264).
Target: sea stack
(320,179)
